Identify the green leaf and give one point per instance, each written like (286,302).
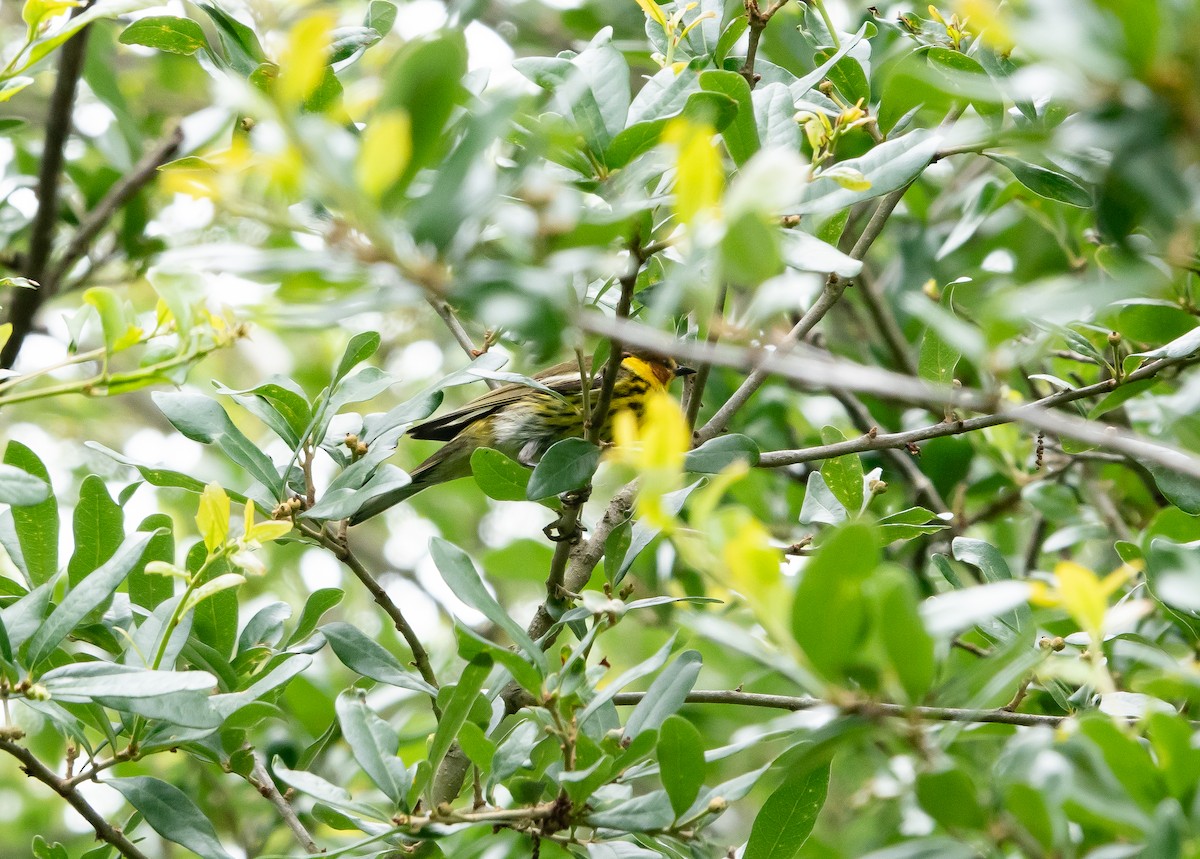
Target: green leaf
(373,743)
(1181,490)
(202,419)
(381,15)
(593,87)
(148,590)
(719,453)
(165,33)
(463,579)
(938,357)
(950,798)
(568,465)
(81,600)
(36,524)
(713,108)
(43,850)
(847,75)
(888,166)
(115,318)
(665,695)
(909,647)
(750,250)
(498,476)
(462,699)
(471,644)
(680,754)
(788,816)
(12,86)
(820,504)
(362,654)
(318,602)
(82,681)
(425,81)
(843,474)
(361,347)
(99,526)
(171,814)
(242,49)
(345,42)
(324,791)
(1120,396)
(910,523)
(1044,182)
(741,135)
(166,478)
(20,488)
(277,404)
(828,613)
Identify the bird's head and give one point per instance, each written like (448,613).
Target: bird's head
(654,367)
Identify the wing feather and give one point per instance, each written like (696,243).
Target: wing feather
(561,378)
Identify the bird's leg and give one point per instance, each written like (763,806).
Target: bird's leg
(567,527)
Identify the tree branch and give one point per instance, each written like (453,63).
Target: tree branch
(866,708)
(261,780)
(628,281)
(834,287)
(820,372)
(758,20)
(104,830)
(116,197)
(341,550)
(25,302)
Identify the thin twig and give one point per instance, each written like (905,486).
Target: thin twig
(820,372)
(104,830)
(117,196)
(25,302)
(341,550)
(866,708)
(885,323)
(757,22)
(612,368)
(834,287)
(920,482)
(694,387)
(261,780)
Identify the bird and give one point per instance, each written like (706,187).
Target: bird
(523,422)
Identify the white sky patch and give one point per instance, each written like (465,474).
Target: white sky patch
(419,18)
(153,447)
(92,118)
(418,602)
(999,261)
(431,581)
(11,805)
(509,522)
(24,200)
(319,569)
(422,359)
(408,540)
(488,50)
(183,214)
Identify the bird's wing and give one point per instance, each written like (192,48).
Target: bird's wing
(561,378)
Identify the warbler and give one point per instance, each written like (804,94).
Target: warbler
(523,422)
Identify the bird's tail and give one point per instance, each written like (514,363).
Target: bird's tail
(451,461)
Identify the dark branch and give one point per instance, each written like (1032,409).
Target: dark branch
(25,302)
(105,831)
(118,195)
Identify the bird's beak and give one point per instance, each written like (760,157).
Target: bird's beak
(684,371)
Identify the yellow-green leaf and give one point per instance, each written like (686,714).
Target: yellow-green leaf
(213,516)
